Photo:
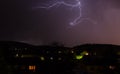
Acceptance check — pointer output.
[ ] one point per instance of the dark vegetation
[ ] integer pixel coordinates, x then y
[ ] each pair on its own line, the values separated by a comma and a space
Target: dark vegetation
16, 57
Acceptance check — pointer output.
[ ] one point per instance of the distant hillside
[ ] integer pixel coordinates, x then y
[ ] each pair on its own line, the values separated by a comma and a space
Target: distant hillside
13, 43
97, 46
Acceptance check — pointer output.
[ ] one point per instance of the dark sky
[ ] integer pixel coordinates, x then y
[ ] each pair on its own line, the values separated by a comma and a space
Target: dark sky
20, 22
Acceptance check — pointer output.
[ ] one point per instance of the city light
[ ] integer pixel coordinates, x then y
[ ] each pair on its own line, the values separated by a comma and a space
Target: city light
26, 56
79, 57
17, 55
111, 67
84, 53
42, 58
59, 52
32, 68
72, 51
51, 58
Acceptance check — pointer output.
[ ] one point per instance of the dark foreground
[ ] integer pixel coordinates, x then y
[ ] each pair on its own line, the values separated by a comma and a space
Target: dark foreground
21, 58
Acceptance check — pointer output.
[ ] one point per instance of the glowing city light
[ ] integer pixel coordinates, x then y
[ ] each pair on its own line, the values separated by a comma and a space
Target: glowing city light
51, 58
32, 68
72, 51
111, 67
42, 58
17, 55
84, 53
79, 57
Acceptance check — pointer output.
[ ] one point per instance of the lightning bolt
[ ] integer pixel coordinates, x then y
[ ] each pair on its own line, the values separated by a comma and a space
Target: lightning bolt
78, 19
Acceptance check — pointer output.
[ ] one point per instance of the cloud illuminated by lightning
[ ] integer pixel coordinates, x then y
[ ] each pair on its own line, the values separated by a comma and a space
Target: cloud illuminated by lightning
78, 19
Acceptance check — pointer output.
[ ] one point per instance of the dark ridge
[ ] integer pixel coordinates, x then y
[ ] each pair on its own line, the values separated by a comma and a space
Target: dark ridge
14, 43
98, 45
23, 44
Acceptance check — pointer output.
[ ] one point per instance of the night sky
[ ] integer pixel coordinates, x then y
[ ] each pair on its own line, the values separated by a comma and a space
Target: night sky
20, 21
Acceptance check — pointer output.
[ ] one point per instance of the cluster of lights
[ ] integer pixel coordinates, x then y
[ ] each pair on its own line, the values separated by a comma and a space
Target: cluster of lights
41, 57
23, 56
79, 57
51, 58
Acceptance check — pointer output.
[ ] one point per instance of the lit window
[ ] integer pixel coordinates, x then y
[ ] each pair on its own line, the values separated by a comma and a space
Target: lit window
32, 68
